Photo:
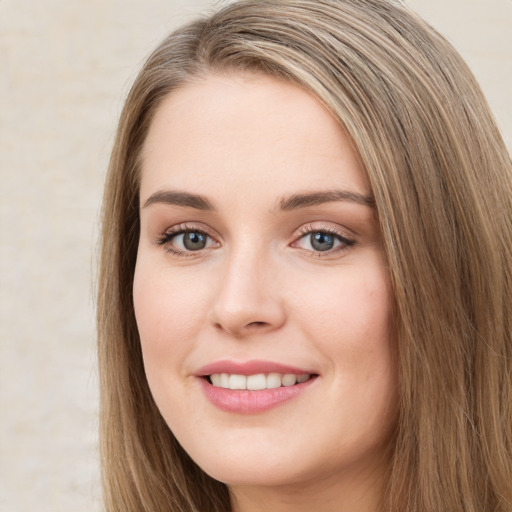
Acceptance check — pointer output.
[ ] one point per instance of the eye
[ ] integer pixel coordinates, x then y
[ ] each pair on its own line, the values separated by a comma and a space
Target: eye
179, 240
322, 241
191, 240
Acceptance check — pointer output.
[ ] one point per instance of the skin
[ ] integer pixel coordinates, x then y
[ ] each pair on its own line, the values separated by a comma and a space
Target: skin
260, 290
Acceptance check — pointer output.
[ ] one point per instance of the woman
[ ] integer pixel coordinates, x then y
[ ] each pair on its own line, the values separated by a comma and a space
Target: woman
306, 271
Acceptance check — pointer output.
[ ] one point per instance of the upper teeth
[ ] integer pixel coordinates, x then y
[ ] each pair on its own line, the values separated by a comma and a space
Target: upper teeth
258, 381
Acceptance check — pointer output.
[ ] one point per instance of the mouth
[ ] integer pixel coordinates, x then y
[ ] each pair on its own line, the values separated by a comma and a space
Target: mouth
257, 382
254, 386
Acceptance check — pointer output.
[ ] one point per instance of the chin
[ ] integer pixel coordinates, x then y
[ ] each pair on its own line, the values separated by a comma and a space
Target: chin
247, 473
303, 462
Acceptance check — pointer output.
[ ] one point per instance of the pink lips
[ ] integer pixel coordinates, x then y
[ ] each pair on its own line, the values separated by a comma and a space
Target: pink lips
248, 368
245, 401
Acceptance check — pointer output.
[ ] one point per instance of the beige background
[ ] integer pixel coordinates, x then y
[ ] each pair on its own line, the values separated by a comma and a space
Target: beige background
65, 66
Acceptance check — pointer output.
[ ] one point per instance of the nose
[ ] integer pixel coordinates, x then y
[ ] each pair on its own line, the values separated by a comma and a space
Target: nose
248, 299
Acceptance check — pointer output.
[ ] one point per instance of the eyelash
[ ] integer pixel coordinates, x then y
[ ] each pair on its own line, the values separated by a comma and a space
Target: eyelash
346, 242
165, 239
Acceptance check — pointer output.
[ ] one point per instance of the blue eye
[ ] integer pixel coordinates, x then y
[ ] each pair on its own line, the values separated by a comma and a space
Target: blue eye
193, 241
323, 241
186, 240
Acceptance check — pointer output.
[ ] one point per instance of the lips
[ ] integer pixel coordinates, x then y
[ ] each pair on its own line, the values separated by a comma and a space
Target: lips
253, 386
249, 368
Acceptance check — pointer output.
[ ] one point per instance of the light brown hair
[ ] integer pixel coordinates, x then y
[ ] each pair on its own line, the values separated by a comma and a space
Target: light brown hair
441, 178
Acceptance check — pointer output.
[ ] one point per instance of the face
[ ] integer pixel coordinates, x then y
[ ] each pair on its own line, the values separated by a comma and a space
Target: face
261, 293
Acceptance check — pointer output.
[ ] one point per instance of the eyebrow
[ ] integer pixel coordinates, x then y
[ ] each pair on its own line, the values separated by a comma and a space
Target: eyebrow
297, 201
179, 198
293, 202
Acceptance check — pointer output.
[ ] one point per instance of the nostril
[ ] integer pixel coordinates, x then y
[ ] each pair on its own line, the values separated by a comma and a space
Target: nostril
257, 324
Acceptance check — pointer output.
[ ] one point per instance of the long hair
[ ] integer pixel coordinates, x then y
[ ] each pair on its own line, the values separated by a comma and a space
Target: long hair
441, 178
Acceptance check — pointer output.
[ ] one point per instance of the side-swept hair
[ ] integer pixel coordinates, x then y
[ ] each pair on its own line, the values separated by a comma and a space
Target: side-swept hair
441, 177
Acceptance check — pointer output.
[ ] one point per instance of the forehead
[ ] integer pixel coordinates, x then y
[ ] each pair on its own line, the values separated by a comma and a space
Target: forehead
245, 130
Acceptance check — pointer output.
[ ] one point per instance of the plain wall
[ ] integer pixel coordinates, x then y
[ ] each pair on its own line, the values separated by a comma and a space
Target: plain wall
65, 68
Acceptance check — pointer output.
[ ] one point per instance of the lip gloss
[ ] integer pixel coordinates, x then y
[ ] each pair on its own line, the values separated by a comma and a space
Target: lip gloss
243, 401
249, 401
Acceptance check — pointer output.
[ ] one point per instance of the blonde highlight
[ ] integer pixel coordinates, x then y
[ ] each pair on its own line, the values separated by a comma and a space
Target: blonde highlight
441, 178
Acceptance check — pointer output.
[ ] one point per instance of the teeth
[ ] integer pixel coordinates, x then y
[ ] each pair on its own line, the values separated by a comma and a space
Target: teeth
258, 381
237, 382
273, 380
216, 380
224, 380
255, 382
289, 379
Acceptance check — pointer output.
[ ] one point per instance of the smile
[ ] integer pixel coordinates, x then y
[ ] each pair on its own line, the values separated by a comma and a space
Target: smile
256, 382
253, 387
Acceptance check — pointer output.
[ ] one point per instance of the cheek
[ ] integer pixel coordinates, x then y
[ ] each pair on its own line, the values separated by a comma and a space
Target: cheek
354, 307
350, 321
168, 311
